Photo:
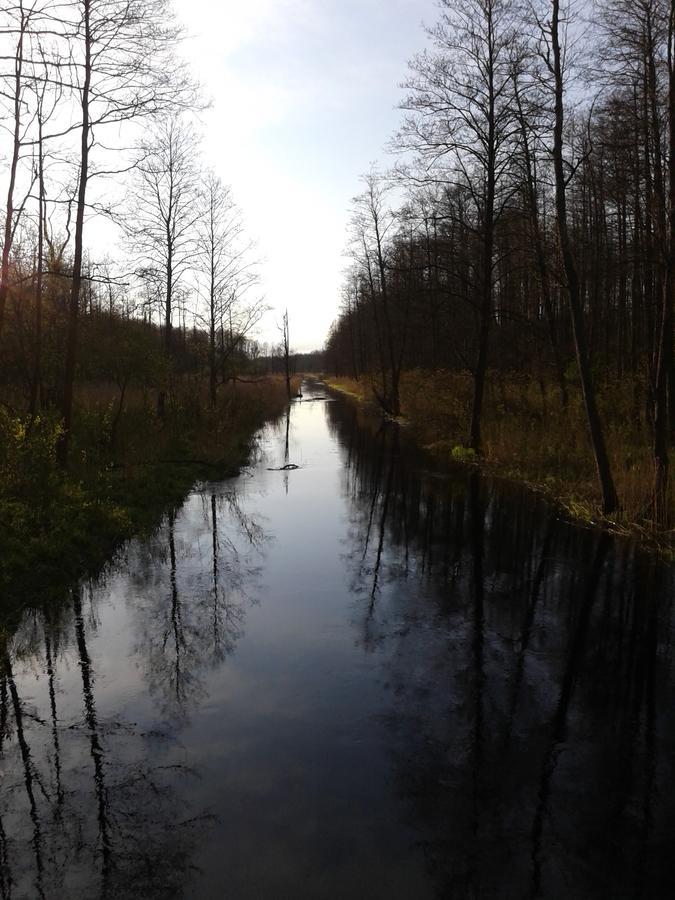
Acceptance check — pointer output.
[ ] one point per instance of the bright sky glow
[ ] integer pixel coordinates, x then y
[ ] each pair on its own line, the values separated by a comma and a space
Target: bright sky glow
304, 99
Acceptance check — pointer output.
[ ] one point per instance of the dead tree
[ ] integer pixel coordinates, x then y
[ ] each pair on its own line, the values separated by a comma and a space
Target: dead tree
286, 344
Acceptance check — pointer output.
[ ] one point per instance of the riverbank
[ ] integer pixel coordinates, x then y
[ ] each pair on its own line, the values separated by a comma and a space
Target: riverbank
527, 438
57, 526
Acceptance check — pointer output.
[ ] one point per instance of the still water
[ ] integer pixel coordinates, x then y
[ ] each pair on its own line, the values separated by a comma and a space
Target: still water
362, 678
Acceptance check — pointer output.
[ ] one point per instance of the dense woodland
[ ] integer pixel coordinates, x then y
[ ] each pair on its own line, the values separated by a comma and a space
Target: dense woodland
129, 290
522, 246
526, 234
100, 148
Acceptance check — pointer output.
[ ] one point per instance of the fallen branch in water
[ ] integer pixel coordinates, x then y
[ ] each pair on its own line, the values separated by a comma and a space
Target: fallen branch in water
285, 468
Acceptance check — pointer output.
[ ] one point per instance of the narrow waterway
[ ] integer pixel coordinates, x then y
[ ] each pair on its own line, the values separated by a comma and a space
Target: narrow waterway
360, 678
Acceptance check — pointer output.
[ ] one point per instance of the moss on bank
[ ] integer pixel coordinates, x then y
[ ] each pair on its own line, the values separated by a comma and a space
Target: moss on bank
529, 439
56, 527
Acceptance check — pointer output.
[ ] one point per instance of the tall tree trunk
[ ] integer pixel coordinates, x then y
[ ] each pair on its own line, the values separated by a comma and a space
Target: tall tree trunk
212, 332
480, 370
168, 313
168, 298
664, 333
76, 283
37, 337
378, 329
393, 400
13, 165
539, 251
287, 353
608, 491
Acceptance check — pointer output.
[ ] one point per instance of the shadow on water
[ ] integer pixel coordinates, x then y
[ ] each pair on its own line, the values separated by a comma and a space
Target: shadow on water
98, 805
530, 677
365, 677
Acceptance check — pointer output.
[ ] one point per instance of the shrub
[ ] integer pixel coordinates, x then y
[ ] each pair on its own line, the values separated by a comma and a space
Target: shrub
28, 468
463, 454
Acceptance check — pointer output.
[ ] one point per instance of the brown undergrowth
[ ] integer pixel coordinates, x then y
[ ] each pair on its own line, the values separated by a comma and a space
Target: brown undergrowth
528, 437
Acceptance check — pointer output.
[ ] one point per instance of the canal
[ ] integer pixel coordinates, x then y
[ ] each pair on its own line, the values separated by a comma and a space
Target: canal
363, 677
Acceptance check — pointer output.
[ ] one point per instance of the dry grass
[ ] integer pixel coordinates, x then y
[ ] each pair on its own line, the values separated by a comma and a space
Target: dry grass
527, 436
359, 390
211, 433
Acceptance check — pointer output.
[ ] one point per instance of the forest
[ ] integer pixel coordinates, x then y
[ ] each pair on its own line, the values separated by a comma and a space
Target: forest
390, 619
510, 279
129, 288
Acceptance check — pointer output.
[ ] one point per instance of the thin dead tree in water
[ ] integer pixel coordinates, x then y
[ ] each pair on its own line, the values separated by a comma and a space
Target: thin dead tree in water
286, 347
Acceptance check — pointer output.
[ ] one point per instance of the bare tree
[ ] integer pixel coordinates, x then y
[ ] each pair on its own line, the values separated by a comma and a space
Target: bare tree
228, 269
286, 346
461, 124
663, 347
48, 93
531, 125
552, 50
372, 224
164, 213
19, 22
124, 66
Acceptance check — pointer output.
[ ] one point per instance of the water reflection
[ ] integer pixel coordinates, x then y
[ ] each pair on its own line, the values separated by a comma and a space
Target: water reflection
72, 828
96, 794
529, 668
364, 677
189, 602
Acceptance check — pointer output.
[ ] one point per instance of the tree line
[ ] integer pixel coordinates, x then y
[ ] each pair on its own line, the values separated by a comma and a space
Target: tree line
100, 140
527, 228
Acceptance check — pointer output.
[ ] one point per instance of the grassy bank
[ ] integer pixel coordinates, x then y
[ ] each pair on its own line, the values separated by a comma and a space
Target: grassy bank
125, 471
529, 438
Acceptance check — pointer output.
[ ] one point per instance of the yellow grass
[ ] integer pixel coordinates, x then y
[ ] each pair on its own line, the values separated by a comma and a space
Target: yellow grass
526, 436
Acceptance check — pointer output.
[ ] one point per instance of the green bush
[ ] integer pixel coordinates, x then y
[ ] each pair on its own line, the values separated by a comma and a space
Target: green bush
463, 454
28, 468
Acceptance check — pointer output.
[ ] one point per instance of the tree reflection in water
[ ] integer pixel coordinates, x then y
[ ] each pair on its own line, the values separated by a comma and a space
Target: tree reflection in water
190, 613
507, 709
103, 828
530, 671
94, 804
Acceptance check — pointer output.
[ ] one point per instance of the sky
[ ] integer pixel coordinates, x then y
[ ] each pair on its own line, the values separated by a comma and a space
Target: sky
304, 96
